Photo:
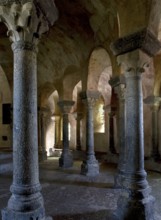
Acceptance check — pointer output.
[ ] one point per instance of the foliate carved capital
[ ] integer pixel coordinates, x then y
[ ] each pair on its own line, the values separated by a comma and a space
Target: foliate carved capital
24, 21
120, 90
65, 106
153, 101
78, 116
116, 81
144, 40
21, 45
111, 110
89, 98
43, 112
134, 63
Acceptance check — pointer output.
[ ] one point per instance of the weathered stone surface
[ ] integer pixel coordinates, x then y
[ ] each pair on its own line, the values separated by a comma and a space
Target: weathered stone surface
144, 40
66, 159
90, 166
136, 202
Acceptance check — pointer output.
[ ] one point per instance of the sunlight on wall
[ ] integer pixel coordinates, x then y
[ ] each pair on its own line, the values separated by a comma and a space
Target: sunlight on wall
99, 119
69, 129
50, 138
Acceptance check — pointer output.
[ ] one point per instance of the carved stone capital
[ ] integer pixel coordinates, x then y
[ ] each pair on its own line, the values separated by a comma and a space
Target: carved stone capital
43, 112
89, 97
120, 90
78, 116
153, 101
25, 20
143, 39
134, 63
21, 45
111, 110
65, 106
116, 81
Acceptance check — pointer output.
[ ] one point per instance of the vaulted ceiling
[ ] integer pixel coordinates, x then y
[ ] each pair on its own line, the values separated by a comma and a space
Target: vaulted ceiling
83, 26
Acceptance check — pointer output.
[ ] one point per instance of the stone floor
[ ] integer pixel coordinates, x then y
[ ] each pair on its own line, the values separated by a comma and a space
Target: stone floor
71, 196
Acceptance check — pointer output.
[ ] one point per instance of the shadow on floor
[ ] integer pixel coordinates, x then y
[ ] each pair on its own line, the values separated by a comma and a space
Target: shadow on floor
99, 215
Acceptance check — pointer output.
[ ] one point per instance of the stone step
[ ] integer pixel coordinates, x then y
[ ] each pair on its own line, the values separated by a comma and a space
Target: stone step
6, 164
5, 155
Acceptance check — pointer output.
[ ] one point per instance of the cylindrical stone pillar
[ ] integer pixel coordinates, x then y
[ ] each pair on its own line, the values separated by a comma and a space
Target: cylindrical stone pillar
120, 90
155, 132
43, 152
26, 201
154, 103
78, 135
57, 132
111, 133
66, 159
90, 166
136, 203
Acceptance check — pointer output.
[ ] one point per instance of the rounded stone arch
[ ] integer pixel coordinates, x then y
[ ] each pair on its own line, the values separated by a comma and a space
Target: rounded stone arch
76, 98
44, 92
71, 78
52, 102
99, 63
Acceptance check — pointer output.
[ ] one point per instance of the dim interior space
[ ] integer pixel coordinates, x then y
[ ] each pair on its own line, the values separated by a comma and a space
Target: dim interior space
80, 97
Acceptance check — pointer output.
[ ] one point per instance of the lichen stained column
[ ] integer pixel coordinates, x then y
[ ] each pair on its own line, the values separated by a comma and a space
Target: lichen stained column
90, 166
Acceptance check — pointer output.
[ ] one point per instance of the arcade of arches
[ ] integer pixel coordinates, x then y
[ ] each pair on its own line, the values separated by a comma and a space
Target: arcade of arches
81, 79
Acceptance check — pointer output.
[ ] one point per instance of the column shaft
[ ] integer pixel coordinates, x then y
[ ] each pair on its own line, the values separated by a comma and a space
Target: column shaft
155, 134
90, 166
43, 153
138, 204
66, 159
121, 137
26, 188
111, 133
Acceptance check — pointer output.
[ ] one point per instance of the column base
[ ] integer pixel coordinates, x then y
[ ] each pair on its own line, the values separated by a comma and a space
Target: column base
39, 214
119, 179
78, 148
132, 209
156, 157
90, 168
66, 160
42, 156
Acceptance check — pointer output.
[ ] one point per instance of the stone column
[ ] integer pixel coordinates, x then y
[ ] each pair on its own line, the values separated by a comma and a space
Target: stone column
136, 203
57, 131
90, 166
154, 102
66, 159
111, 132
120, 90
42, 149
79, 117
26, 201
